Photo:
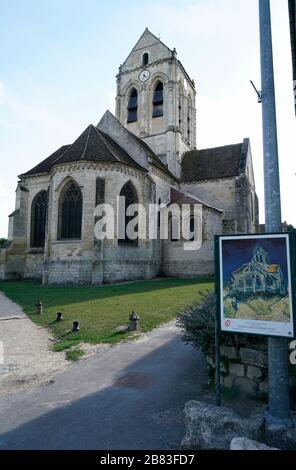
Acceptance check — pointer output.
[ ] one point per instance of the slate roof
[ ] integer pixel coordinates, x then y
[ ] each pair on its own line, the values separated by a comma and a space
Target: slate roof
46, 165
180, 197
213, 163
93, 145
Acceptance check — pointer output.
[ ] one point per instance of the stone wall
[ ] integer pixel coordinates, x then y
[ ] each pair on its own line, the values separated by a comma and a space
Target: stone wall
34, 261
235, 196
89, 260
187, 263
245, 368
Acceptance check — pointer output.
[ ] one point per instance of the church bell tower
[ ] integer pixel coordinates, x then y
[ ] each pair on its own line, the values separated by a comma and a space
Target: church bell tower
156, 100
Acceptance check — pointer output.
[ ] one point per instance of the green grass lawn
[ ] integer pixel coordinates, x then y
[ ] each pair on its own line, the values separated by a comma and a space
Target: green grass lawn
102, 309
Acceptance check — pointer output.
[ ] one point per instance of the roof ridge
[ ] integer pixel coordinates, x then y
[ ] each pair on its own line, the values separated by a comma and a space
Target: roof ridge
66, 150
157, 38
213, 148
196, 198
105, 138
106, 143
86, 142
71, 145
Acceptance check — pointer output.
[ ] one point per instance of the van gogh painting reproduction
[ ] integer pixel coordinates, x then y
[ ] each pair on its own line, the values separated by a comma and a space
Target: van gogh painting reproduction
255, 282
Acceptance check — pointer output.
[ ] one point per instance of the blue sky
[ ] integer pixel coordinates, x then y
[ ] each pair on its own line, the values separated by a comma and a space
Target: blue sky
59, 58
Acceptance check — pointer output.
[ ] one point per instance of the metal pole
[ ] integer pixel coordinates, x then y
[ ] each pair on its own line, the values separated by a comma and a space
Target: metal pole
217, 363
278, 380
217, 328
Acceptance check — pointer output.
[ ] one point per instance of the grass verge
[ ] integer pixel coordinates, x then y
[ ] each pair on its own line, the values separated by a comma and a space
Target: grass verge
102, 310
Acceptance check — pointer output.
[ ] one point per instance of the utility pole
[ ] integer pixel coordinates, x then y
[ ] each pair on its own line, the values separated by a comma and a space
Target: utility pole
278, 413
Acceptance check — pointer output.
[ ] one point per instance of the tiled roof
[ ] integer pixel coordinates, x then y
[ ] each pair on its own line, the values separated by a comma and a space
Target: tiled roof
45, 165
179, 197
212, 163
92, 145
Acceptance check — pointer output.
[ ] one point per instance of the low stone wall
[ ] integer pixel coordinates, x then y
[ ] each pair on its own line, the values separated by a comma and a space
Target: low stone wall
244, 368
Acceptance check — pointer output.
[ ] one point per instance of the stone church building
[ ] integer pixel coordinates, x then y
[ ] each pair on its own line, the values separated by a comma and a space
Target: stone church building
147, 153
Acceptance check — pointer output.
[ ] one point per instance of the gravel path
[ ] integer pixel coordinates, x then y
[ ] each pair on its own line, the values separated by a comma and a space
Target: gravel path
26, 360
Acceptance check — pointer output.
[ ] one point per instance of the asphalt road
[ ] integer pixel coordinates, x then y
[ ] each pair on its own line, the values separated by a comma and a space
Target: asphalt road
128, 396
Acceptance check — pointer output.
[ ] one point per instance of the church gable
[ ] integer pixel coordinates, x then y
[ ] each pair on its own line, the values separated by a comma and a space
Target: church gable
148, 43
111, 126
133, 145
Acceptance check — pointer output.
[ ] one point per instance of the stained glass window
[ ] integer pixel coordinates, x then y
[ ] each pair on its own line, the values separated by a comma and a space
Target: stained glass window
38, 219
71, 212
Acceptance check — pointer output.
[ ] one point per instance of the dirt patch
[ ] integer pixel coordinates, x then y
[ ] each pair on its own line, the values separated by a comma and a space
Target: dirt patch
27, 360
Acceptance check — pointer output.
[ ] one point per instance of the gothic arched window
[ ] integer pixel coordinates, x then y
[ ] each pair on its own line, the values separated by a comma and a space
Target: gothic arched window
129, 193
158, 100
70, 212
38, 219
145, 58
132, 106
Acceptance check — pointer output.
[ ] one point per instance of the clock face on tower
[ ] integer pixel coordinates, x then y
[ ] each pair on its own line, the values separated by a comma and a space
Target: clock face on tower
144, 75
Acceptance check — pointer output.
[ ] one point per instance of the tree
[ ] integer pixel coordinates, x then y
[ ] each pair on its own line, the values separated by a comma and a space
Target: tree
2, 242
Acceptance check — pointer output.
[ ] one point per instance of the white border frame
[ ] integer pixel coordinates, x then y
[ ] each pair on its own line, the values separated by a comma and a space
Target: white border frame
257, 327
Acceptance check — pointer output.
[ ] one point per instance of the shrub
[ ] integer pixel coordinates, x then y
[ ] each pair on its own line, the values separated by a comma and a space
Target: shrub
197, 322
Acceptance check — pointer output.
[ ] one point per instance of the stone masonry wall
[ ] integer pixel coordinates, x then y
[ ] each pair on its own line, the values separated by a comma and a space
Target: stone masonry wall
186, 263
244, 368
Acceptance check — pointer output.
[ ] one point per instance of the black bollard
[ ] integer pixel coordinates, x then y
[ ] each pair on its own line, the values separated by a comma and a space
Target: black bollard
133, 321
76, 326
39, 307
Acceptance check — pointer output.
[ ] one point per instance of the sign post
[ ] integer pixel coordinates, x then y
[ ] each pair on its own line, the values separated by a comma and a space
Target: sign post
255, 294
255, 287
279, 403
217, 326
